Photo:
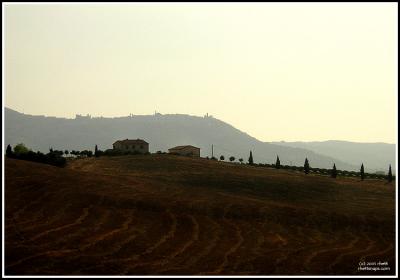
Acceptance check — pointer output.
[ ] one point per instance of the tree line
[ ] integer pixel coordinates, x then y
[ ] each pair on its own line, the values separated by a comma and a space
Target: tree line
58, 157
20, 151
55, 157
334, 172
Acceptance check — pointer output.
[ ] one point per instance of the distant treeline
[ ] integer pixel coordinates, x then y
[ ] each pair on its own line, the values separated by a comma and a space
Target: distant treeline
55, 157
20, 151
59, 157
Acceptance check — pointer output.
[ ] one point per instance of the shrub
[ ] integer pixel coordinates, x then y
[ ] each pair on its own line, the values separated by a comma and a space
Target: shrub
86, 153
55, 159
20, 149
112, 152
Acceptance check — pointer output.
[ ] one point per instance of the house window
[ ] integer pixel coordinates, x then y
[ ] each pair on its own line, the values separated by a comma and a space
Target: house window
141, 146
133, 146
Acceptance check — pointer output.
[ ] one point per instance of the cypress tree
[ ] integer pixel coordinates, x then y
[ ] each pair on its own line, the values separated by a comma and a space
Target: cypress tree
9, 151
251, 158
306, 166
390, 177
96, 151
278, 163
334, 172
362, 172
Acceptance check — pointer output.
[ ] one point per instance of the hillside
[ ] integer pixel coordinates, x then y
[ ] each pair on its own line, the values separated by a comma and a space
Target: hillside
376, 156
170, 215
161, 131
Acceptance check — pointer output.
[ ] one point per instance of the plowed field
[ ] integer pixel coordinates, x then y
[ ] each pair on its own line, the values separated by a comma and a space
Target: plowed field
170, 215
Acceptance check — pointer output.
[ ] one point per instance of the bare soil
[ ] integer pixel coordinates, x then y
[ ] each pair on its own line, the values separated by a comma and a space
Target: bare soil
171, 215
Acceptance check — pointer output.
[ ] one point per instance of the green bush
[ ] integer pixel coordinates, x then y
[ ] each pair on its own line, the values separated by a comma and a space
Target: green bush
20, 149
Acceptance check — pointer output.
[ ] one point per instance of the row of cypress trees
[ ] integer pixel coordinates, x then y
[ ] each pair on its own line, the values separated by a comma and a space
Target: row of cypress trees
334, 172
362, 173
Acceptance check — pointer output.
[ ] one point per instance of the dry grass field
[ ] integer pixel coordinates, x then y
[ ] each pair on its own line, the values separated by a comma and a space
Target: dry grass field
171, 215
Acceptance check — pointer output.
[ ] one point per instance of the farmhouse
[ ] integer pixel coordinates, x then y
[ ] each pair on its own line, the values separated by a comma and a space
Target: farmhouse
138, 145
187, 150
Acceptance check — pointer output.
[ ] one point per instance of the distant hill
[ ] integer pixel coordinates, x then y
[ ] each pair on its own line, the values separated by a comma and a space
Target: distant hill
375, 156
161, 131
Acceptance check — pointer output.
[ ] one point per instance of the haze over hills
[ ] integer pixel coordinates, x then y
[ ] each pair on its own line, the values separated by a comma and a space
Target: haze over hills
162, 132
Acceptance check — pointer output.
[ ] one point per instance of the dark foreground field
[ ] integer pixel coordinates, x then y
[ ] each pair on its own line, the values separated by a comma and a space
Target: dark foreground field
169, 215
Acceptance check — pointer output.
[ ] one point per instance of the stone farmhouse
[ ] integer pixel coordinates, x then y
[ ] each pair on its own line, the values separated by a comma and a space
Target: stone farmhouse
186, 150
127, 145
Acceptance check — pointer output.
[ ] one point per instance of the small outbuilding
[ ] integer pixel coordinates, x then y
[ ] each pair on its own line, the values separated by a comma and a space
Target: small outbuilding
186, 150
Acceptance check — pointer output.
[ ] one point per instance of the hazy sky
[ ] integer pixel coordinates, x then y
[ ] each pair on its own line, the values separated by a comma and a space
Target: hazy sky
278, 71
